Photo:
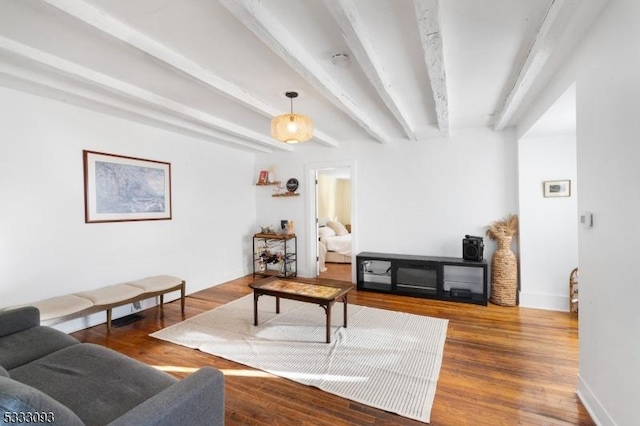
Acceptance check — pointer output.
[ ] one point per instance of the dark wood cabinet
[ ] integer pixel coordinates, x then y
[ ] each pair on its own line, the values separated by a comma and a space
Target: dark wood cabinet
444, 278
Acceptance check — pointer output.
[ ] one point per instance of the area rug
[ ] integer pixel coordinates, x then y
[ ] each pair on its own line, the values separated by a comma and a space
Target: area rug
384, 359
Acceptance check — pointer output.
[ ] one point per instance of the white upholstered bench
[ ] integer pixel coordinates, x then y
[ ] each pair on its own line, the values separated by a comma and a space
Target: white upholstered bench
64, 308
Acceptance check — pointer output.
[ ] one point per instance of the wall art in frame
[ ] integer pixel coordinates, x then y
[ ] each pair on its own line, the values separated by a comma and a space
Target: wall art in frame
557, 188
120, 189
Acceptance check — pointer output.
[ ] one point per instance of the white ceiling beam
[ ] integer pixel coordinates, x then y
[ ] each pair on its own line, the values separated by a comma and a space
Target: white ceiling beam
51, 86
359, 42
125, 90
275, 35
118, 30
553, 25
427, 14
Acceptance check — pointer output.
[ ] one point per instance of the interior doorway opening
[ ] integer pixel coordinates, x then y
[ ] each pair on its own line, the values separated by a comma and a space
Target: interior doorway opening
332, 215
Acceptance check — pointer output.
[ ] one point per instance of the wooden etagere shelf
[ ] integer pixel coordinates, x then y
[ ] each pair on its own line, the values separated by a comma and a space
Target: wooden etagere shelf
286, 194
268, 183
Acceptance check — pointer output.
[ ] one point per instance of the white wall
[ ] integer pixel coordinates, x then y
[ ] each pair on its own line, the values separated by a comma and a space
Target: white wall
606, 69
412, 198
334, 198
548, 226
46, 249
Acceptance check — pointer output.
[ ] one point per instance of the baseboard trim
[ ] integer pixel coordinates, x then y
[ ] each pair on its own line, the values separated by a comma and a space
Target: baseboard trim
595, 409
544, 301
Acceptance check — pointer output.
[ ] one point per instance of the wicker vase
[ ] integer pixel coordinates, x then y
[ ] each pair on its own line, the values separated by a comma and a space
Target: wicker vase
504, 274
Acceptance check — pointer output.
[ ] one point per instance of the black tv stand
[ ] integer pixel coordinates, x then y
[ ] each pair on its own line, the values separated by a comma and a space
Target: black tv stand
443, 278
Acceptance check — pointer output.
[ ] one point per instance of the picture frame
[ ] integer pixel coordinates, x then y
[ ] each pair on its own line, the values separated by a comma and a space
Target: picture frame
264, 176
118, 188
557, 188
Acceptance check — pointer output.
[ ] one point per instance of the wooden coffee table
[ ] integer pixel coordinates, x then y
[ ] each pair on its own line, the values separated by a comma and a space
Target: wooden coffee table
323, 294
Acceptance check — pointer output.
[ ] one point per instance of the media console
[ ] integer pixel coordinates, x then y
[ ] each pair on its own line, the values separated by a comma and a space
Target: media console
444, 278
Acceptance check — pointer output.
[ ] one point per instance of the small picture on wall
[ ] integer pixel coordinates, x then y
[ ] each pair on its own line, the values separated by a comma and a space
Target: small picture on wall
557, 188
262, 179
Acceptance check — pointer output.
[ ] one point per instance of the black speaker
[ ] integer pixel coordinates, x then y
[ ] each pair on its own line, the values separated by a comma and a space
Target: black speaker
472, 248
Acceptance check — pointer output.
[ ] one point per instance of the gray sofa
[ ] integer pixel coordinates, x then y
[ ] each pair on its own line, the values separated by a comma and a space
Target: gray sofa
48, 376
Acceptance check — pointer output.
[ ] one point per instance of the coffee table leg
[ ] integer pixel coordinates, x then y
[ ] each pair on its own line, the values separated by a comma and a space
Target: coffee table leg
344, 301
328, 309
255, 308
277, 304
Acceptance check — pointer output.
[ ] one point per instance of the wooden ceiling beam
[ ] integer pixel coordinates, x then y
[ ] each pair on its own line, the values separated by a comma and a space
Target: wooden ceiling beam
127, 92
118, 30
427, 14
357, 37
553, 26
268, 29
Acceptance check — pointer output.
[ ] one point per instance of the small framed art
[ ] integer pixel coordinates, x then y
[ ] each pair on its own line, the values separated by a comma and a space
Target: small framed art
557, 188
122, 189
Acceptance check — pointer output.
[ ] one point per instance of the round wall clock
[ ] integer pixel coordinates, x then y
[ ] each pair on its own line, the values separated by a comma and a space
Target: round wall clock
292, 185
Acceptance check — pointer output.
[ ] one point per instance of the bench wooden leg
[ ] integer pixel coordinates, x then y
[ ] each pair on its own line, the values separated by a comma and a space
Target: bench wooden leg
108, 319
182, 296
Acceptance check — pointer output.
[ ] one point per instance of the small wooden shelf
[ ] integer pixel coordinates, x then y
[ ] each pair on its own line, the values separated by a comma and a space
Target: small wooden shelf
275, 236
268, 183
286, 194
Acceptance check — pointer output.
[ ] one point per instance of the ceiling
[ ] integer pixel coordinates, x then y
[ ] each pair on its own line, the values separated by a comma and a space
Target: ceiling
218, 69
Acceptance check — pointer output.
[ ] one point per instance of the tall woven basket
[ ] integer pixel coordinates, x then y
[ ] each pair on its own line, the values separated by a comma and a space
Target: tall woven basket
504, 273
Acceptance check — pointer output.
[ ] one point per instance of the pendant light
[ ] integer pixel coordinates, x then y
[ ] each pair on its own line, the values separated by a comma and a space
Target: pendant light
291, 128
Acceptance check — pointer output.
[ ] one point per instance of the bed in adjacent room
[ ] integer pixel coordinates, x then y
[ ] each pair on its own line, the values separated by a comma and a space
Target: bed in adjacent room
334, 244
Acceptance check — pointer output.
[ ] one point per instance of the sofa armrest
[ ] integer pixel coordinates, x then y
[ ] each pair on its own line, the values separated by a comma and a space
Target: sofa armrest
18, 319
195, 400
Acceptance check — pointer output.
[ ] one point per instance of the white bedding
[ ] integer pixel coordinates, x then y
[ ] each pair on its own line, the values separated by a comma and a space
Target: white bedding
341, 244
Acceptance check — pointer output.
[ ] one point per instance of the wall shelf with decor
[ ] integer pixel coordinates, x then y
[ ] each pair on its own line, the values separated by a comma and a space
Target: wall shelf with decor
286, 194
444, 278
268, 183
275, 254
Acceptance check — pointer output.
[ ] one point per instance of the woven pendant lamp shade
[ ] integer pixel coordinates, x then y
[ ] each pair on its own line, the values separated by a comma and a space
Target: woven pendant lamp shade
291, 128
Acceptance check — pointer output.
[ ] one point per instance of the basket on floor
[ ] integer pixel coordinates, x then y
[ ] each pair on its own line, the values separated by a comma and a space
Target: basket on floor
504, 274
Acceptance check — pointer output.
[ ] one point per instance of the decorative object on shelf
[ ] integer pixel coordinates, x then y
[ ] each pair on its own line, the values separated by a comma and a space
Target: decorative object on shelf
504, 265
573, 292
123, 189
263, 178
291, 128
292, 185
286, 191
557, 188
267, 230
289, 230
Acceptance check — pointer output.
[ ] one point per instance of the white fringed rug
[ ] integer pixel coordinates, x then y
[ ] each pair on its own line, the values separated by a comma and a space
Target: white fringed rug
385, 359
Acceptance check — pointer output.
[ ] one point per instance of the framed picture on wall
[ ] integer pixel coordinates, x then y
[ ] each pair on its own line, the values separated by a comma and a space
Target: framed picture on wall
557, 188
262, 179
122, 189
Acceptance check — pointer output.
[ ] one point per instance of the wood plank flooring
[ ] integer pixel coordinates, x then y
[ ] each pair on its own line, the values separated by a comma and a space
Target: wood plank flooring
501, 366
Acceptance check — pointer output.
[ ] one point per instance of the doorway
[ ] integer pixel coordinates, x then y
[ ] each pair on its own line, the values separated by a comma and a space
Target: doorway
332, 215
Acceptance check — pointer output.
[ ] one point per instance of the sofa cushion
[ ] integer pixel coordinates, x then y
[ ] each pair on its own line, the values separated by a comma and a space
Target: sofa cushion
16, 397
96, 383
3, 372
20, 348
15, 320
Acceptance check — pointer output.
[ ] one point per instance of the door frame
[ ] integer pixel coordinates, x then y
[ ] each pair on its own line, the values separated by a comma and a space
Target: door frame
311, 208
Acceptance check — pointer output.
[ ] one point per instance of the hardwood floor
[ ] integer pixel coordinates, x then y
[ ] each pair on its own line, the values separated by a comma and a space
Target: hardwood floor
337, 271
501, 366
